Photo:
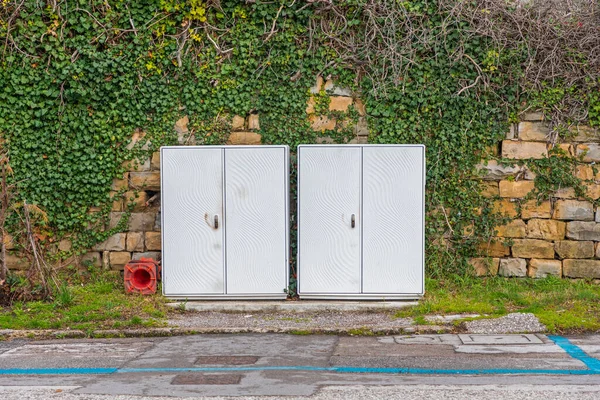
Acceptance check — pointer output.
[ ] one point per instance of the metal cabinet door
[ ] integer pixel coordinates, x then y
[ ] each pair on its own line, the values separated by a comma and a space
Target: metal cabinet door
328, 219
393, 223
192, 207
257, 220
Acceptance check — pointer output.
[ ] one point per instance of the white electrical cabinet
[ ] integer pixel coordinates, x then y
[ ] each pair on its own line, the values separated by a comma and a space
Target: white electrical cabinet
361, 221
225, 221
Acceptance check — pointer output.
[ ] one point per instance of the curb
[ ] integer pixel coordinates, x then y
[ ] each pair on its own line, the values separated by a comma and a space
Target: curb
300, 306
9, 334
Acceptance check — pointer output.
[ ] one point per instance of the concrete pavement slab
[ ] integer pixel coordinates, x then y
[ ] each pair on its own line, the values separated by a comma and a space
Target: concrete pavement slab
300, 306
271, 349
499, 339
73, 354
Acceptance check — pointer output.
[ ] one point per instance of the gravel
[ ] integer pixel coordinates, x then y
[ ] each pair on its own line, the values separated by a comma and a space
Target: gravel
511, 323
299, 321
356, 392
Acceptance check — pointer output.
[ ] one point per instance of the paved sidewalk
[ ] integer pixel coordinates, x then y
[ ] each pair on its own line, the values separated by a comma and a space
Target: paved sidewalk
290, 365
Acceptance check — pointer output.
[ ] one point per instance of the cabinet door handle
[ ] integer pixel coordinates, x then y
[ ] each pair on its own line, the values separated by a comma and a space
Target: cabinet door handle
216, 221
353, 220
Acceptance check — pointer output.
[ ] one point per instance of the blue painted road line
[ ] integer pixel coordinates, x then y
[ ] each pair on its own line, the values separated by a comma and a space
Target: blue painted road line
58, 371
351, 370
575, 352
592, 364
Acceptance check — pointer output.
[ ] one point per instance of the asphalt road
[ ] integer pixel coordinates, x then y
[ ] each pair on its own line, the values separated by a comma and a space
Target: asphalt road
252, 366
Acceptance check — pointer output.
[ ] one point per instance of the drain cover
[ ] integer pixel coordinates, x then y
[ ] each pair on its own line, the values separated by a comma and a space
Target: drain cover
226, 360
206, 379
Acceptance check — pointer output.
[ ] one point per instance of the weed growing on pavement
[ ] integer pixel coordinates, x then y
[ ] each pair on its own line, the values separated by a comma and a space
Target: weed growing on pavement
562, 305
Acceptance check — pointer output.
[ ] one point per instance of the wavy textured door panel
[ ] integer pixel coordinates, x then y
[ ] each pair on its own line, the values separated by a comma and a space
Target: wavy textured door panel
329, 194
393, 219
256, 219
192, 196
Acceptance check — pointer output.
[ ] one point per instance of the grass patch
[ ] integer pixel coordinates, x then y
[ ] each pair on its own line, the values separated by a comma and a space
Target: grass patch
100, 303
563, 305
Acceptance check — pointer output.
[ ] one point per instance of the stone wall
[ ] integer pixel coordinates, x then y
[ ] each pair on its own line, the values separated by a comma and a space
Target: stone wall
558, 236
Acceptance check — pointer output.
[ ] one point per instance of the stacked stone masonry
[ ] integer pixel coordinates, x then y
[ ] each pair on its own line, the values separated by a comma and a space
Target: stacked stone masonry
559, 236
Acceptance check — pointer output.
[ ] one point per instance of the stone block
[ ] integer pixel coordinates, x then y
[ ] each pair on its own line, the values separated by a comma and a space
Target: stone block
91, 258
597, 249
573, 210
589, 151
9, 241
115, 242
574, 249
581, 268
237, 123
65, 245
154, 255
318, 85
512, 132
533, 131
581, 230
118, 259
181, 126
532, 248
135, 241
361, 128
153, 241
117, 204
485, 266
489, 189
141, 221
145, 180
494, 171
321, 123
114, 219
531, 209
542, 268
121, 183
338, 90
253, 123
597, 219
547, 229
491, 151
592, 190
584, 133
516, 267
310, 105
565, 193
17, 262
106, 259
523, 150
514, 229
505, 207
585, 172
494, 249
136, 199
360, 107
339, 103
244, 138
137, 138
514, 189
155, 162
532, 116
569, 149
